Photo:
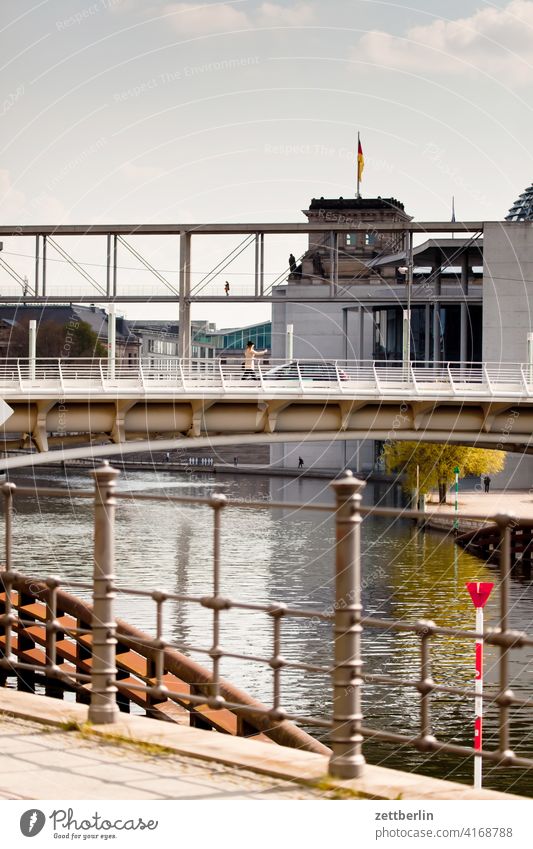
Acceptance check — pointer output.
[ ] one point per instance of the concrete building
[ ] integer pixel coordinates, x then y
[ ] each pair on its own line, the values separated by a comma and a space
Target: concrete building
159, 340
470, 299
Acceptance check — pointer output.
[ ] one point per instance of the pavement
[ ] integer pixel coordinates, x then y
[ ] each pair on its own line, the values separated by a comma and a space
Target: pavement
39, 762
486, 505
48, 751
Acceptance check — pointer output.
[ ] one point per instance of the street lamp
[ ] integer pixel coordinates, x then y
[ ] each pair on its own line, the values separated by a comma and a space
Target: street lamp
408, 271
456, 519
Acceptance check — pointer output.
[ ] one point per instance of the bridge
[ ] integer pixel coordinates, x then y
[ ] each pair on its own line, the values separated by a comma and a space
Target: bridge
64, 402
121, 263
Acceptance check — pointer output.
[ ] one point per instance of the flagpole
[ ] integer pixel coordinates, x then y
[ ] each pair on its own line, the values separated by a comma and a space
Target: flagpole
358, 195
453, 213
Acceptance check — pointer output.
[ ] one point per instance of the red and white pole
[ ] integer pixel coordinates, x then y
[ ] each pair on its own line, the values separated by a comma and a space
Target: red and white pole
479, 593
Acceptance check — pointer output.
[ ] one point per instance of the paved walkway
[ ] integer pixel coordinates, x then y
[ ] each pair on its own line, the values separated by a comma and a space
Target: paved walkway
40, 762
486, 505
141, 758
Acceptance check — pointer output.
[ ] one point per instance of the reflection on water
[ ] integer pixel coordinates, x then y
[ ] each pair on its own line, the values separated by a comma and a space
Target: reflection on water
287, 555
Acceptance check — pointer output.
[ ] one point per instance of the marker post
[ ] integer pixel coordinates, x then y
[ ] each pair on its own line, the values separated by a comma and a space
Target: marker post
479, 593
456, 472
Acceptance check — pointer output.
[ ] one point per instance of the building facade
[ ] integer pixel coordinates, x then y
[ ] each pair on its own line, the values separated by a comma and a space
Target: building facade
468, 302
67, 317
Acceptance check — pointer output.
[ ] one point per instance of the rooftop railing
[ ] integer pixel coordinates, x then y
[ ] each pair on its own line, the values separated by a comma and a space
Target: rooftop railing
345, 728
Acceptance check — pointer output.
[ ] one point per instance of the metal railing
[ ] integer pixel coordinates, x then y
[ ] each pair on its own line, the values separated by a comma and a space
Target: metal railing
220, 375
346, 726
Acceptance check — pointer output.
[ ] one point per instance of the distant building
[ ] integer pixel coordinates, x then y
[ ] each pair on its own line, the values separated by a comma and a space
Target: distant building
371, 268
230, 342
127, 343
159, 340
522, 208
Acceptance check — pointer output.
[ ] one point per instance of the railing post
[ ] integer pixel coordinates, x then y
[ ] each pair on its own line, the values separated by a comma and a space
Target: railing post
504, 698
347, 760
8, 490
103, 707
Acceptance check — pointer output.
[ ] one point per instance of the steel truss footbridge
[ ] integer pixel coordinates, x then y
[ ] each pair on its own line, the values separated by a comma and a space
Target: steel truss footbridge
106, 259
64, 402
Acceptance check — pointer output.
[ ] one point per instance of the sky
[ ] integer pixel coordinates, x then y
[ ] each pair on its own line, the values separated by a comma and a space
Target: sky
131, 111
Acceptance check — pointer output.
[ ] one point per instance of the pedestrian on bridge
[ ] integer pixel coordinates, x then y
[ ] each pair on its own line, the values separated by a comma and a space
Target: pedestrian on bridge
486, 481
226, 288
249, 361
300, 463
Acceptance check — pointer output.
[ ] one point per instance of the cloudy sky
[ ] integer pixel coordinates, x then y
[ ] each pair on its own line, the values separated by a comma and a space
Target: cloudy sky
134, 111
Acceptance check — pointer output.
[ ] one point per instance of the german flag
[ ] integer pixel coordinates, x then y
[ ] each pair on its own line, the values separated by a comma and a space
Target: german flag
360, 161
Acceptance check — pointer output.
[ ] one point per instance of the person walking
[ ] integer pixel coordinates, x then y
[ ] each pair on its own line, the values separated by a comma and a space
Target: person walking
226, 288
249, 361
300, 463
486, 481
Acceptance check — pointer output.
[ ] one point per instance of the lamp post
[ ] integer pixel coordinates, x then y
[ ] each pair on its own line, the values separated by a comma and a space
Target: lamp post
32, 347
289, 344
111, 340
408, 270
530, 357
456, 519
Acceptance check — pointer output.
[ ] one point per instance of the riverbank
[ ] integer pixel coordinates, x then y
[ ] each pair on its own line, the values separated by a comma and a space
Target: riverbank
255, 469
483, 506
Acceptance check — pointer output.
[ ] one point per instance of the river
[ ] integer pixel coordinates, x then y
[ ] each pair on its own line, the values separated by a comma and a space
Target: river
287, 555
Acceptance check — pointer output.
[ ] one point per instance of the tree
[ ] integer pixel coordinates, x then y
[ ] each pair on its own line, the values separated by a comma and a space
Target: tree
436, 464
77, 339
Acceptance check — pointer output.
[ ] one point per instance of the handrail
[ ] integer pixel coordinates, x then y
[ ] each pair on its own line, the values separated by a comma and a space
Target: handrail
174, 662
304, 374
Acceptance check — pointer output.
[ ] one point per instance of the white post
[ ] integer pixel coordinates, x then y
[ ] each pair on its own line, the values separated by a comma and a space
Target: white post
290, 342
407, 312
530, 357
32, 344
111, 341
406, 340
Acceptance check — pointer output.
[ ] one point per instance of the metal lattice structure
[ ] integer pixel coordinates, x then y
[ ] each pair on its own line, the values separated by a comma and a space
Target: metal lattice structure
522, 208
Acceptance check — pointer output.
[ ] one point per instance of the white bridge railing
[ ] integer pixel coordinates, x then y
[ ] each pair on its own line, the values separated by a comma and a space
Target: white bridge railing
305, 376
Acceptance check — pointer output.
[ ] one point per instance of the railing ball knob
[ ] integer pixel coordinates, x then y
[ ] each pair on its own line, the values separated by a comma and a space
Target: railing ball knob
277, 714
427, 743
160, 692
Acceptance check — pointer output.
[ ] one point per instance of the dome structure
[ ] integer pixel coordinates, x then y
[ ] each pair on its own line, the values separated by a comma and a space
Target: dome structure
522, 209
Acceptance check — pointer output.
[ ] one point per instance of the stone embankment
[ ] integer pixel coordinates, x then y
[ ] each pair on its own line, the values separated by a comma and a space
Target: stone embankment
50, 752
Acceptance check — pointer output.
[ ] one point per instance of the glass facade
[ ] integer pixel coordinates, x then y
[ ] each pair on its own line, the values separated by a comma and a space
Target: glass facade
388, 333
522, 209
236, 340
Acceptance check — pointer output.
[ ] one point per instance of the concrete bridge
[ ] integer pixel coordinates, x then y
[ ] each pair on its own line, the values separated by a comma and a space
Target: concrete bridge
59, 402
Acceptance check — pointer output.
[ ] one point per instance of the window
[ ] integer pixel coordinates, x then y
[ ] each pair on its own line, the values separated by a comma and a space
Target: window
351, 240
370, 239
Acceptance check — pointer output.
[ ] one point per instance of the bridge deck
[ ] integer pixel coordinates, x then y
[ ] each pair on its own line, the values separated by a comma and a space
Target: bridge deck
57, 402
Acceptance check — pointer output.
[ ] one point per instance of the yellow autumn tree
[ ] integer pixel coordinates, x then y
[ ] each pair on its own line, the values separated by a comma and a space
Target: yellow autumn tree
436, 464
